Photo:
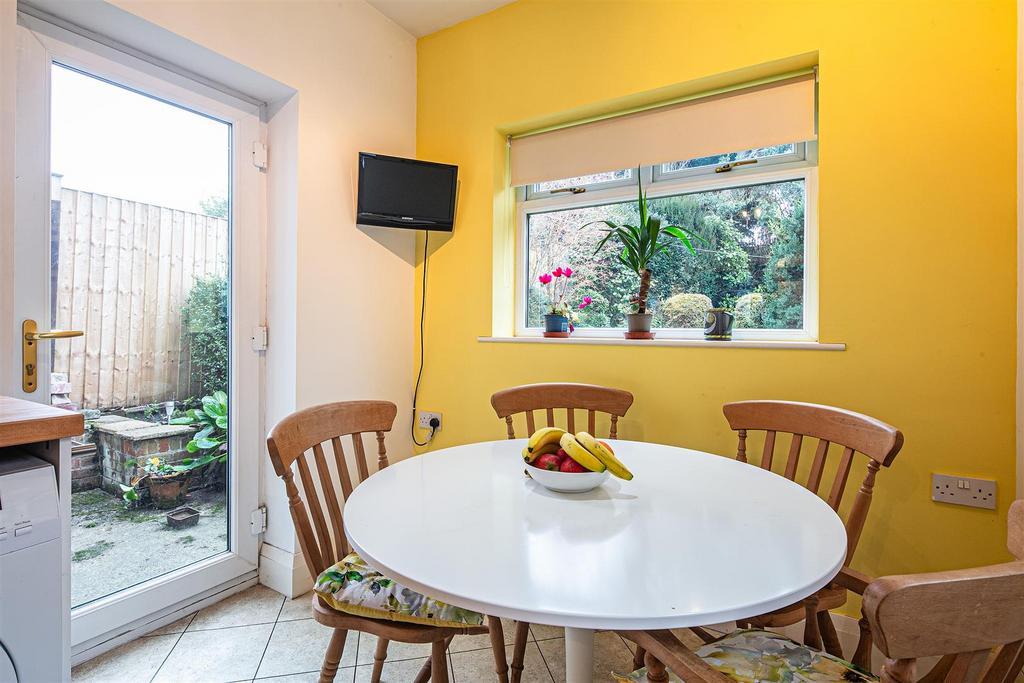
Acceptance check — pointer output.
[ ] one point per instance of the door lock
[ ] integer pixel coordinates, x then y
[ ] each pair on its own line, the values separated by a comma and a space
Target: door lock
30, 338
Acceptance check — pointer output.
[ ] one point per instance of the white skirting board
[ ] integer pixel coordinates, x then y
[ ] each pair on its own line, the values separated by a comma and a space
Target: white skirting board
284, 571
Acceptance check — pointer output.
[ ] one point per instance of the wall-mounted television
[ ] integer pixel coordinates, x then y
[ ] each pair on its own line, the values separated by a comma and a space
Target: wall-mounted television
406, 193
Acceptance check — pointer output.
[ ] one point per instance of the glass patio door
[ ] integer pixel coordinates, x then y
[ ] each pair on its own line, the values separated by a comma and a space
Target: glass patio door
139, 235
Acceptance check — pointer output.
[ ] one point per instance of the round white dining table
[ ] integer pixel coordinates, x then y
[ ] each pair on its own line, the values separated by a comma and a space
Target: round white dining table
693, 539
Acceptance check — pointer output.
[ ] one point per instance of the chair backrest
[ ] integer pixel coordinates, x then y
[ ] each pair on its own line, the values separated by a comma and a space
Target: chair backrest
570, 397
854, 432
301, 437
972, 618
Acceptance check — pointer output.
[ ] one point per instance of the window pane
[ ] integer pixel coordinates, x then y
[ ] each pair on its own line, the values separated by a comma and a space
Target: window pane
752, 259
759, 153
623, 174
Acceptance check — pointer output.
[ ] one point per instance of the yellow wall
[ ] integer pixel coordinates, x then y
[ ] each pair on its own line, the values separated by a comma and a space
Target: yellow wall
917, 232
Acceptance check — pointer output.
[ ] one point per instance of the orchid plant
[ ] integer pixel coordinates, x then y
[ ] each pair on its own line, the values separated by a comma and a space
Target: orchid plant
556, 287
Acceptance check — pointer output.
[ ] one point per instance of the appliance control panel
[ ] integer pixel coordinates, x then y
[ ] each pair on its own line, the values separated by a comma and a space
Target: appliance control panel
29, 513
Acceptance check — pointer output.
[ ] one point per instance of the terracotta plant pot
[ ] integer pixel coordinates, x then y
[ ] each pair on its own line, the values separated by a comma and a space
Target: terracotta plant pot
638, 326
166, 492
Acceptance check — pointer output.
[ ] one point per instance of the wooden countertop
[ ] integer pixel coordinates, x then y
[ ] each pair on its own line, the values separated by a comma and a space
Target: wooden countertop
28, 422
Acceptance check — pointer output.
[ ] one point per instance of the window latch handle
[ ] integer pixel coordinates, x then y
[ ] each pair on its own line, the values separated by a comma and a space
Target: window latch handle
724, 168
573, 190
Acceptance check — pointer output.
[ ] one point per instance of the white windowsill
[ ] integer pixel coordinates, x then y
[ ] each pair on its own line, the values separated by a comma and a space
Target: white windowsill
786, 345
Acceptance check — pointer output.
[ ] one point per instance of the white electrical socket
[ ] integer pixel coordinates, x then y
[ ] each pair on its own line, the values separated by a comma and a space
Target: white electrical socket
969, 491
424, 418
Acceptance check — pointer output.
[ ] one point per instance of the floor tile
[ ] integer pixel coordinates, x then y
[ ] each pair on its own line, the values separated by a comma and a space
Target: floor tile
135, 661
478, 665
228, 654
483, 641
299, 608
610, 654
344, 676
256, 605
300, 646
542, 632
401, 671
396, 651
178, 626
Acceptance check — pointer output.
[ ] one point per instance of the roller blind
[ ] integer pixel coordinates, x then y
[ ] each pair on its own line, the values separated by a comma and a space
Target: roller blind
773, 114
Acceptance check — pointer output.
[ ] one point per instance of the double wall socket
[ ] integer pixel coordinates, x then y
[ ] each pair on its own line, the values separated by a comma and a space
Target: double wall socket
423, 419
969, 491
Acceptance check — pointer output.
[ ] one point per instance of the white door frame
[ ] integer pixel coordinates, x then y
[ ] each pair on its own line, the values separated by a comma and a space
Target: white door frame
38, 48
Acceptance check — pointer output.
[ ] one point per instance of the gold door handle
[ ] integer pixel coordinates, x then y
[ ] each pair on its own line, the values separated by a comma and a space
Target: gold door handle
53, 334
29, 353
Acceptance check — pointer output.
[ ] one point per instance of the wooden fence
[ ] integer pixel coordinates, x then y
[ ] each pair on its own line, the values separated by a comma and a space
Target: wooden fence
123, 272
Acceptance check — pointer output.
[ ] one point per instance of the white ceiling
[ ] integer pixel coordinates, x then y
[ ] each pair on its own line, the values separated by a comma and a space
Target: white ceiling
422, 17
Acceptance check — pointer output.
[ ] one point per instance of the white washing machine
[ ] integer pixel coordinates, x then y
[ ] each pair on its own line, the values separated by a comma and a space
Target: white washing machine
30, 571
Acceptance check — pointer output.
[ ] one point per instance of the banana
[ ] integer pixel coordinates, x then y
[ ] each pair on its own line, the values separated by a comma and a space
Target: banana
544, 436
580, 454
543, 450
605, 455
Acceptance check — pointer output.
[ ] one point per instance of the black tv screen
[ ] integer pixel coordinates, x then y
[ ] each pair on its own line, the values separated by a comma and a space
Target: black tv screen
406, 193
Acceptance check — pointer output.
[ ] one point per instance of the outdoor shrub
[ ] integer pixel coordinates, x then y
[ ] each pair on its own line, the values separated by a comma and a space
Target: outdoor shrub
205, 328
750, 311
684, 310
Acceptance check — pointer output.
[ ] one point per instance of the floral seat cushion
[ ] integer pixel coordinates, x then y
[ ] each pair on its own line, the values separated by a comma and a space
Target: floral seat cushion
755, 656
353, 587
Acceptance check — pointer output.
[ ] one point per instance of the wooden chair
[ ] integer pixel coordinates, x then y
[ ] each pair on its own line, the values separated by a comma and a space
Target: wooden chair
972, 619
300, 440
853, 433
528, 399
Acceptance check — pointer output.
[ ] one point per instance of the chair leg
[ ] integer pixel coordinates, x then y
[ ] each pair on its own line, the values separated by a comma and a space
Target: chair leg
519, 650
497, 634
656, 672
333, 656
439, 661
812, 634
378, 659
424, 673
862, 657
638, 657
706, 636
829, 637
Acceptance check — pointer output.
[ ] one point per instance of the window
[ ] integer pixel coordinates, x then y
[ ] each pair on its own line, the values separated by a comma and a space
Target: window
757, 256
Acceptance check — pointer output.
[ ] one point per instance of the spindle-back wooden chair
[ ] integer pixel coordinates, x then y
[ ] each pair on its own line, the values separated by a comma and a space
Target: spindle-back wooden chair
300, 442
972, 619
853, 433
549, 397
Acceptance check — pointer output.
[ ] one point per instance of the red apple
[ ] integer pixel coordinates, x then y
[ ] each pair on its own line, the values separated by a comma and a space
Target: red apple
570, 465
549, 461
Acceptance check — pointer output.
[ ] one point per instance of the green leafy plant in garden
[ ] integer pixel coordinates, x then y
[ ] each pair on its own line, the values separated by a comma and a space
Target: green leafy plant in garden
205, 327
642, 242
212, 420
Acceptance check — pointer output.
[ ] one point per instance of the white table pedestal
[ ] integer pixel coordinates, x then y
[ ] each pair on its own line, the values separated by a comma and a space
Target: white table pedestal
579, 655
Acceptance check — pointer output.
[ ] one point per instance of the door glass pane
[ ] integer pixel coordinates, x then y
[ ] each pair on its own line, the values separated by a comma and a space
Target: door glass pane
140, 238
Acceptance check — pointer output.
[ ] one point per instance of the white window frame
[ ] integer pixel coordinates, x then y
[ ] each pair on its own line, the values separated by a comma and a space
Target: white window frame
685, 183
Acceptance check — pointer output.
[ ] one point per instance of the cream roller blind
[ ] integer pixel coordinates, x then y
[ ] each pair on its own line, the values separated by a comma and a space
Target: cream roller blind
761, 116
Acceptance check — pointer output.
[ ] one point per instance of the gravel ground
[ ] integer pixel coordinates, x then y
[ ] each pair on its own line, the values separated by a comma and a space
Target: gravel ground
113, 547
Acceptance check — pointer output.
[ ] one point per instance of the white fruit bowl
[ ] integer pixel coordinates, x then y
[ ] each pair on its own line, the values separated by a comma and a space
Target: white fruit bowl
567, 482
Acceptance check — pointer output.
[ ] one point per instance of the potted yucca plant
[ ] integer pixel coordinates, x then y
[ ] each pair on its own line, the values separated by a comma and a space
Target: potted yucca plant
640, 243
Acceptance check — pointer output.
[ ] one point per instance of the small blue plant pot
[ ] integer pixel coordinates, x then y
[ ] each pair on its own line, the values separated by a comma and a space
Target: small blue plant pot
556, 324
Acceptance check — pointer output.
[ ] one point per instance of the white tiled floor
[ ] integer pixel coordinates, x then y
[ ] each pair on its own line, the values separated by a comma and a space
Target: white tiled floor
258, 635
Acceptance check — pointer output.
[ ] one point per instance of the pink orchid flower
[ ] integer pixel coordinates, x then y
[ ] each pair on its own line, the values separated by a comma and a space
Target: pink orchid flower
567, 271
545, 278
557, 272
586, 302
